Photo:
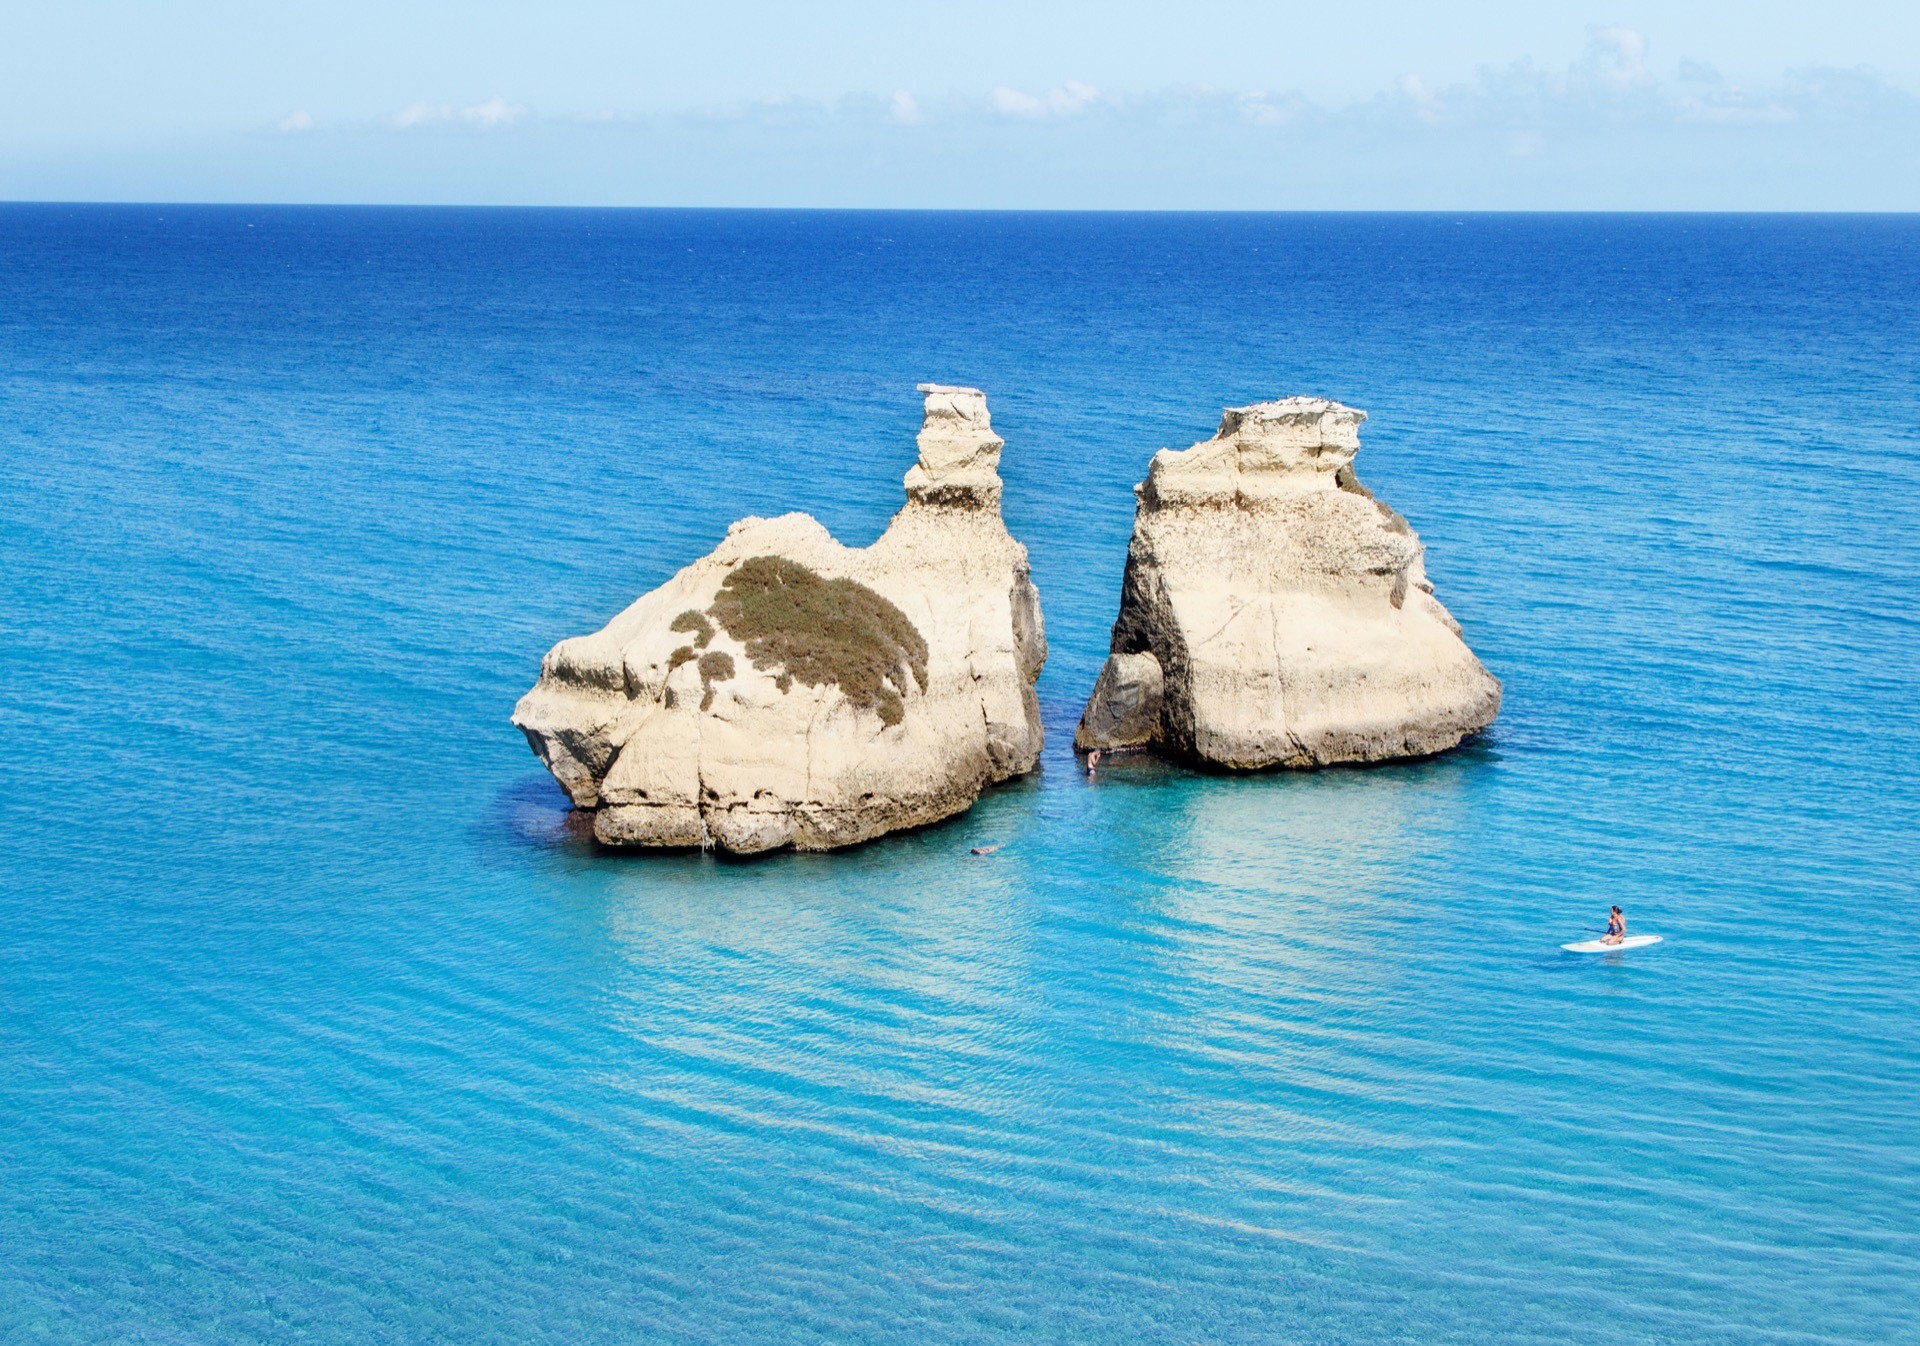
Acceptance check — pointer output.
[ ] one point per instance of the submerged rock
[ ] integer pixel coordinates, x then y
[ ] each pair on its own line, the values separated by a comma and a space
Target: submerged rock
788, 691
1273, 613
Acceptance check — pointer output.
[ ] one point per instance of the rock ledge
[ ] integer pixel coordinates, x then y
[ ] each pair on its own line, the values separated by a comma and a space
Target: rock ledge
1274, 613
785, 690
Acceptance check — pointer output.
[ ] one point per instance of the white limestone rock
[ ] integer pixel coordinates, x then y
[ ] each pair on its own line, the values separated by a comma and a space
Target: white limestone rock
785, 690
1273, 613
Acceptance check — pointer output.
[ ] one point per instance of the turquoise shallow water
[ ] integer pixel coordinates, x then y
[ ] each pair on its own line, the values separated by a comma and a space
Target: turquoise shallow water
319, 1022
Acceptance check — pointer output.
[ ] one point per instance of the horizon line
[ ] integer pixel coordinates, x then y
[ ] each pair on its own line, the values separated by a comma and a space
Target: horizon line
8, 202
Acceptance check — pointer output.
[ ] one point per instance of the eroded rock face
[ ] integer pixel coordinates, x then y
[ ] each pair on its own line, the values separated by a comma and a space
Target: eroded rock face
1273, 613
788, 691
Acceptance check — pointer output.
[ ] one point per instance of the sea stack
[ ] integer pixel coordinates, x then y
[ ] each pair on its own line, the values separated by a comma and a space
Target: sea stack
785, 690
1274, 613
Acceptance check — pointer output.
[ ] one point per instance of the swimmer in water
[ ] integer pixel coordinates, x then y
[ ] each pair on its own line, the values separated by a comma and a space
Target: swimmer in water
1093, 761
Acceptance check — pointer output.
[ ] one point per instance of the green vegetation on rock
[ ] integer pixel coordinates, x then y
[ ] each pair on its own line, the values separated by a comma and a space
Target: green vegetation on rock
1344, 478
1396, 521
820, 631
695, 621
715, 666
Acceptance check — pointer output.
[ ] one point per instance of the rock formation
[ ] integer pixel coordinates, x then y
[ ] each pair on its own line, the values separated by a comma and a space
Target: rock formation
1273, 613
788, 691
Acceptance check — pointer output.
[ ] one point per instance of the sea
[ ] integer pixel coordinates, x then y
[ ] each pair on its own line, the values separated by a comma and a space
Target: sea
323, 1020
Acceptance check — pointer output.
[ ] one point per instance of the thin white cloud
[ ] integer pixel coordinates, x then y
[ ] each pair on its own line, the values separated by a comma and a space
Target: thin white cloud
1618, 57
1420, 99
1263, 109
1523, 111
1071, 97
1068, 100
295, 122
490, 115
1017, 103
1733, 114
1615, 84
904, 110
421, 114
496, 111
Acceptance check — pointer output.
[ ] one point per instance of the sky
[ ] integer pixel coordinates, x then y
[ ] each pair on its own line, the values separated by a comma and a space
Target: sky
1208, 104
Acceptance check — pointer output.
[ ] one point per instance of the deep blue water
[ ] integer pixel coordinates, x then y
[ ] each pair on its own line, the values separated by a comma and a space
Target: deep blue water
319, 1023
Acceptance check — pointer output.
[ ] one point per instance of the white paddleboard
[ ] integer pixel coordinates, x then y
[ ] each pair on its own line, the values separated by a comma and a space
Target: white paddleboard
1595, 946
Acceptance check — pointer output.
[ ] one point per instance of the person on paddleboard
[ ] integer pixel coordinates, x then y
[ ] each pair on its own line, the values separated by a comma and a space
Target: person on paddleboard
1616, 927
